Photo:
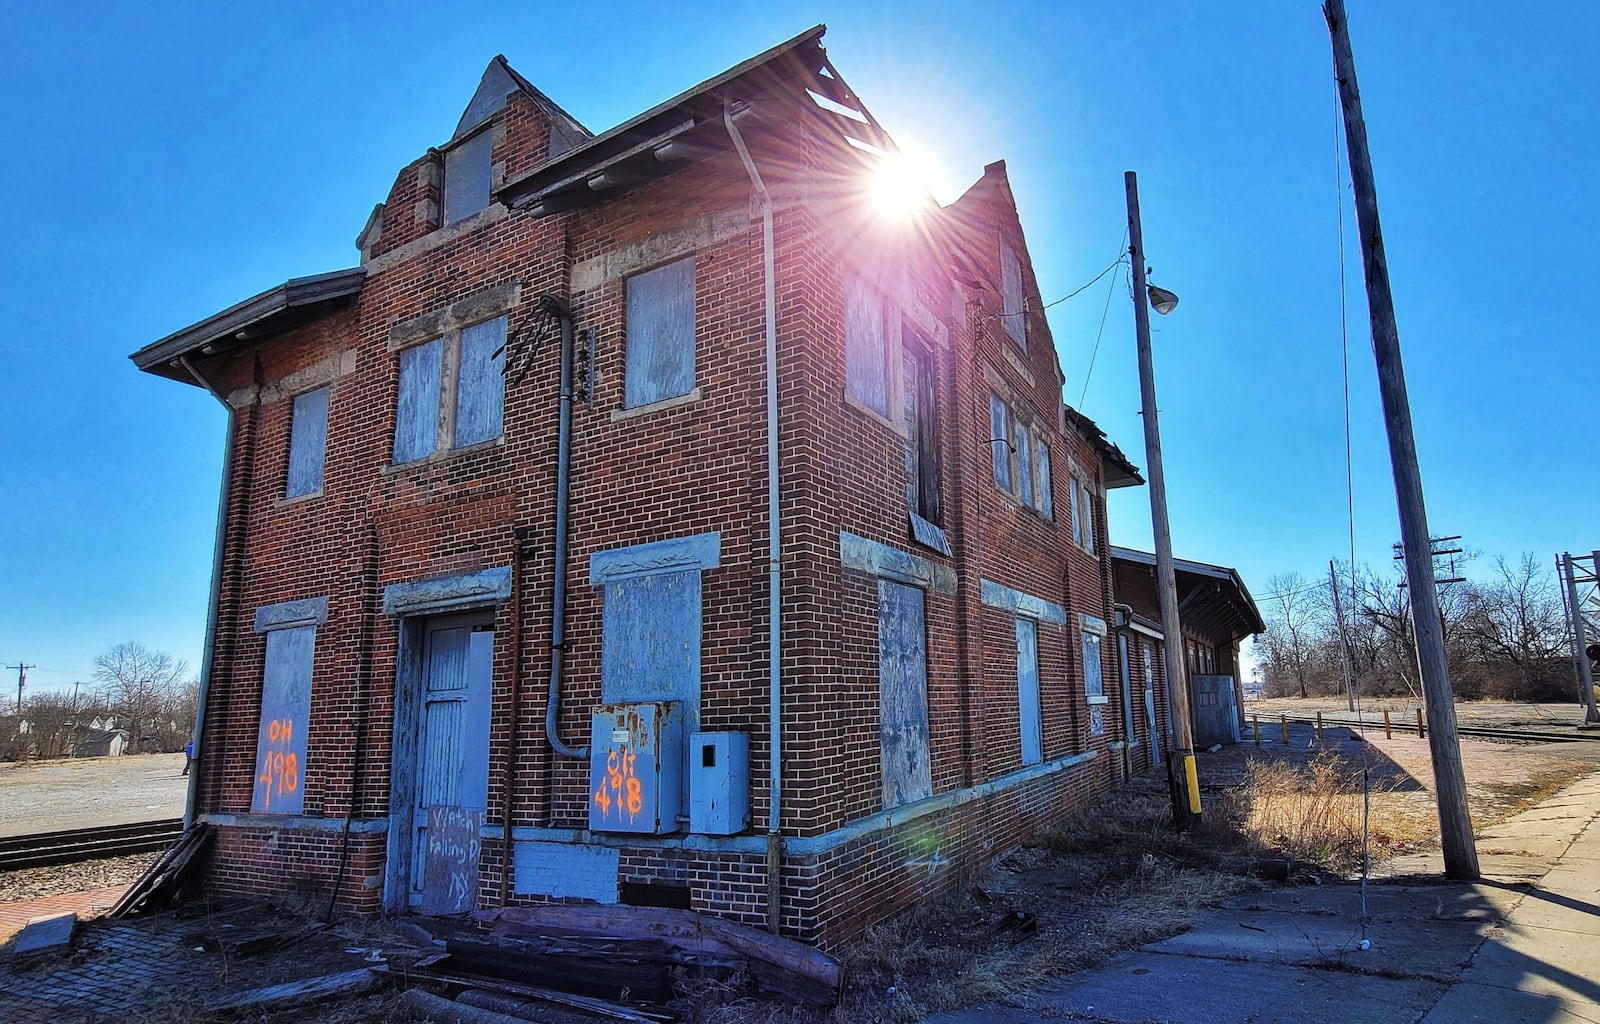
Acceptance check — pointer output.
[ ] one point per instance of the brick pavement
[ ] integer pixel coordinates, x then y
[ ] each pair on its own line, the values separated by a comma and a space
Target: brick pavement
88, 904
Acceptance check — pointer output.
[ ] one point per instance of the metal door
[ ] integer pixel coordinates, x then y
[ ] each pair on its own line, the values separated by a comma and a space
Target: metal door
452, 786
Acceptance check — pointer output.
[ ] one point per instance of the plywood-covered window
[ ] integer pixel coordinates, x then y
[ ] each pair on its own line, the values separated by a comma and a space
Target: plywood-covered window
1028, 691
466, 177
308, 440
1014, 311
660, 334
1082, 515
451, 391
1046, 502
866, 347
285, 721
1094, 634
903, 694
1000, 442
1021, 439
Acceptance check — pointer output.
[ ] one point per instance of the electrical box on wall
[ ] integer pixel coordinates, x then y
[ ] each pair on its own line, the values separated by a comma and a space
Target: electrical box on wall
636, 768
719, 782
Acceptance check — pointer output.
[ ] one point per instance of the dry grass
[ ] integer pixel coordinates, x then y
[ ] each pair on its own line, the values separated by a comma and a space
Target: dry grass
1313, 812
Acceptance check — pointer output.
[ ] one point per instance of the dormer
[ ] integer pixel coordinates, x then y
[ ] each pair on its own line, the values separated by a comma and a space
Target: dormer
508, 128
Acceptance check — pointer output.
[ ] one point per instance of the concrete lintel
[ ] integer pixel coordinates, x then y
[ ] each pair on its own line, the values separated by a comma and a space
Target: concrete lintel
296, 823
998, 595
311, 611
869, 556
447, 593
698, 551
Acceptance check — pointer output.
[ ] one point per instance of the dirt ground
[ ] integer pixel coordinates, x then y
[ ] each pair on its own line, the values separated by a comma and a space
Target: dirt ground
82, 792
1112, 877
1488, 714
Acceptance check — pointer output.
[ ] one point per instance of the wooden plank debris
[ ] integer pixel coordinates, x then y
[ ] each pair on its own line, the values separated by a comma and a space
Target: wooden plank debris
325, 987
599, 1007
781, 965
438, 1010
164, 879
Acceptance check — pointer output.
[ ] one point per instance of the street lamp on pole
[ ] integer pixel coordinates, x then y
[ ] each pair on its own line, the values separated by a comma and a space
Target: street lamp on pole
1186, 786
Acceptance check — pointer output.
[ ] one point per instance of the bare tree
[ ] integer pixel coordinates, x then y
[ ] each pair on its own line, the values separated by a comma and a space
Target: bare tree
1294, 615
140, 684
1514, 630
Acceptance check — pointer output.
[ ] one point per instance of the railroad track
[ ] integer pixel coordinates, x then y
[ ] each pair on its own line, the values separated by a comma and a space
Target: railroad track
1410, 726
47, 848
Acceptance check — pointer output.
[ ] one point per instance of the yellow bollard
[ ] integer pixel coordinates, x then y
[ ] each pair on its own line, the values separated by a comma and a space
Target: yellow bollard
1388, 730
1255, 723
1420, 733
1285, 724
1319, 727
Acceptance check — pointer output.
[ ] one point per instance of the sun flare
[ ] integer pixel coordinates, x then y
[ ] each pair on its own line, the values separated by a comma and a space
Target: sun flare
898, 188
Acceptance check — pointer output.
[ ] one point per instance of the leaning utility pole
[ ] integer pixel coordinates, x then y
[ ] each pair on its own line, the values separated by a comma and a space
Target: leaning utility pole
1455, 823
1186, 789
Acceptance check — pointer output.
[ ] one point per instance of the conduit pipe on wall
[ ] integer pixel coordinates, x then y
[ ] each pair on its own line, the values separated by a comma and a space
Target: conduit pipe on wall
553, 306
215, 599
774, 664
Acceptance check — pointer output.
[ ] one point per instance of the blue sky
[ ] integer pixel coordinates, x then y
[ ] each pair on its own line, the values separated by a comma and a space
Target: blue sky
168, 162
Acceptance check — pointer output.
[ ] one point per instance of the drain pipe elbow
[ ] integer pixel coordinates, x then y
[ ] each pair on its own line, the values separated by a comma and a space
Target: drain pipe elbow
554, 306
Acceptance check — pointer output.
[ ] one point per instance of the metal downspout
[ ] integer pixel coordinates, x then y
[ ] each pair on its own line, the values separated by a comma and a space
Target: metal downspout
558, 616
774, 663
212, 609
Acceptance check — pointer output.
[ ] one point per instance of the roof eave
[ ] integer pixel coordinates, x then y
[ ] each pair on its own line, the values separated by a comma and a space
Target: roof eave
260, 316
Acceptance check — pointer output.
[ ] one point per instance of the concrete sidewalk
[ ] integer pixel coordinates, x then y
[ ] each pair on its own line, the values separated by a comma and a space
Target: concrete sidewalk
1522, 946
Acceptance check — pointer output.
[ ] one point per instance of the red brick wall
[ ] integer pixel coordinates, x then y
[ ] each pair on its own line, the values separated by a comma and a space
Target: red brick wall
668, 473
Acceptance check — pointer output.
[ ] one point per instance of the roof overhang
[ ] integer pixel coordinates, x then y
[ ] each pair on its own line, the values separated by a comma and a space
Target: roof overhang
1212, 599
270, 313
1119, 469
691, 126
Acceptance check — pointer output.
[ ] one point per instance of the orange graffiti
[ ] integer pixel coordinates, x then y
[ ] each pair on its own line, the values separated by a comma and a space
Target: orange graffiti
621, 787
280, 769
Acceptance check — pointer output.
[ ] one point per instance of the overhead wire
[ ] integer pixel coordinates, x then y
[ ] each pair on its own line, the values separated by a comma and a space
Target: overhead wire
1110, 291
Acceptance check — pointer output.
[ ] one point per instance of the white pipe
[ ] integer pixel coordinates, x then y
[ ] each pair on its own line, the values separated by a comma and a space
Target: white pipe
775, 711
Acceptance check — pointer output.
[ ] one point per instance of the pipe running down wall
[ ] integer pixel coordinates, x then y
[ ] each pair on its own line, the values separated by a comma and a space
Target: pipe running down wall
774, 564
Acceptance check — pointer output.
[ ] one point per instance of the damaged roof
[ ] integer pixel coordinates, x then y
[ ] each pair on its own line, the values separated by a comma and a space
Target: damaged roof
1120, 470
1212, 599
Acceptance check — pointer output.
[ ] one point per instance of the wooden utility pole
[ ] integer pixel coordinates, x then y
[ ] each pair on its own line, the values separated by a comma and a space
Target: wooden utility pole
22, 680
1186, 786
1455, 823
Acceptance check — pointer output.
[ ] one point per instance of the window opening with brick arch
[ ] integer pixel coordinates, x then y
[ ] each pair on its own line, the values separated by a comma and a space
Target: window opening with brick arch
308, 437
451, 391
660, 358
920, 389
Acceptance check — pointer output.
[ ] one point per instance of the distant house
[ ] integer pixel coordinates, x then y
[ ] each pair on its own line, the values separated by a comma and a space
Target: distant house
522, 599
91, 742
1216, 613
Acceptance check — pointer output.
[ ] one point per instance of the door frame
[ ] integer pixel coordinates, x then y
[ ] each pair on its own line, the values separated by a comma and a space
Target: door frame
410, 672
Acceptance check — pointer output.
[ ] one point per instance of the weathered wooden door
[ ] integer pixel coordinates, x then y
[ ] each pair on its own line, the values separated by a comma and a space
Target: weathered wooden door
452, 787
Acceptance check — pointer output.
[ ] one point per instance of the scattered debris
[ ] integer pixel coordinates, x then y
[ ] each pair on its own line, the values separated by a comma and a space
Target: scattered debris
600, 1007
777, 964
443, 1011
328, 986
169, 875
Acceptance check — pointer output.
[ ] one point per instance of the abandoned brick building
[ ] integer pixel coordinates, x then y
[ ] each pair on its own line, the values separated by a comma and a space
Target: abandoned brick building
647, 519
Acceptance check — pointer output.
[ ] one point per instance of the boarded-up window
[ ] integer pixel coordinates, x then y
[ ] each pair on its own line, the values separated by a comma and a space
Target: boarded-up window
903, 694
1024, 461
285, 714
308, 437
430, 415
1000, 442
1042, 483
1083, 516
866, 351
1028, 691
481, 388
416, 425
660, 360
650, 641
1093, 681
466, 177
1011, 298
921, 433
